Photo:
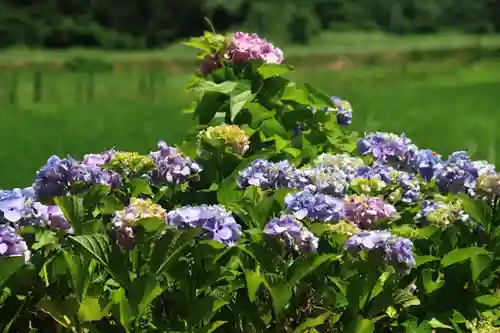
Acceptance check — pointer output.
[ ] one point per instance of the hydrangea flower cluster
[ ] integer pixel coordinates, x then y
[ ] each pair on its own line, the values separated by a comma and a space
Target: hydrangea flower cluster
344, 111
218, 223
12, 244
460, 174
325, 180
98, 159
441, 214
230, 135
363, 210
315, 207
171, 167
292, 233
388, 148
12, 204
427, 164
343, 162
58, 175
270, 175
488, 186
394, 250
245, 47
343, 227
125, 220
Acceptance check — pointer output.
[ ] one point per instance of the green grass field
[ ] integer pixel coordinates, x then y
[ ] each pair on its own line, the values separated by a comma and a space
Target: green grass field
444, 106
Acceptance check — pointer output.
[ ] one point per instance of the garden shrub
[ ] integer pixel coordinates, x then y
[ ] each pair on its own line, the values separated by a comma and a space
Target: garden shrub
270, 217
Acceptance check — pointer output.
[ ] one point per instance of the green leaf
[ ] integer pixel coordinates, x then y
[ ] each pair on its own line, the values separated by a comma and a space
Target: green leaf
437, 324
46, 237
211, 328
62, 314
144, 290
8, 267
90, 310
319, 96
78, 275
151, 224
304, 266
478, 264
429, 285
488, 300
459, 255
96, 245
209, 86
139, 186
72, 208
267, 71
203, 309
110, 204
237, 102
362, 325
294, 94
253, 280
312, 322
281, 294
421, 260
168, 249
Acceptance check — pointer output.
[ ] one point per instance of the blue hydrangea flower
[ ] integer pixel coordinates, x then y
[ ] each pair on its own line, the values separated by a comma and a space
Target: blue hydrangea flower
171, 166
215, 220
408, 188
12, 244
325, 180
427, 164
344, 111
270, 175
315, 207
441, 214
393, 250
388, 148
292, 233
12, 204
98, 159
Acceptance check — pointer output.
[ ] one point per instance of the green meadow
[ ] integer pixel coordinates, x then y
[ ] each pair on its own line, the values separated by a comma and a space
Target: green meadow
444, 105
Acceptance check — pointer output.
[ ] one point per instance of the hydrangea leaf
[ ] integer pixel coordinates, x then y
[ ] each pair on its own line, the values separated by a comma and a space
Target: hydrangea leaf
306, 265
8, 267
459, 255
267, 71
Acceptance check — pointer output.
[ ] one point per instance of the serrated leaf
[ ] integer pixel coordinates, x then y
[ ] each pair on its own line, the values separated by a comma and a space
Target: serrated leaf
304, 266
459, 255
280, 294
488, 300
208, 86
253, 280
145, 290
237, 102
267, 71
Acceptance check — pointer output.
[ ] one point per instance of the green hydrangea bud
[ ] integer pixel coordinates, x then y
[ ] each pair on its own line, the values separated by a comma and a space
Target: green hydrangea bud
229, 135
131, 163
483, 327
366, 186
343, 228
139, 209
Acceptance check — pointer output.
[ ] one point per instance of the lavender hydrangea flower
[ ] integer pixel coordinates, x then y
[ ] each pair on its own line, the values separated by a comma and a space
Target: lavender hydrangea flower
58, 175
393, 250
325, 180
315, 207
269, 175
364, 211
12, 244
245, 47
98, 159
408, 190
215, 220
427, 163
292, 233
441, 214
388, 148
171, 166
12, 204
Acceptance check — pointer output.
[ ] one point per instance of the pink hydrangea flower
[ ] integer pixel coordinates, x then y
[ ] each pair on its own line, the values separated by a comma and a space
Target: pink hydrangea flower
245, 47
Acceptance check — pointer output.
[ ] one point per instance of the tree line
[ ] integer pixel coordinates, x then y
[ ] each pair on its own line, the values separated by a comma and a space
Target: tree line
127, 24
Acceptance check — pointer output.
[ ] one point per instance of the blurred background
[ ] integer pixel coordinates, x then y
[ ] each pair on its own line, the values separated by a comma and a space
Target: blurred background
81, 76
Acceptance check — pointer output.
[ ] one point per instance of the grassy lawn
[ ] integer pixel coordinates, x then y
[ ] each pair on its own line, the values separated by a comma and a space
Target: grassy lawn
445, 106
331, 43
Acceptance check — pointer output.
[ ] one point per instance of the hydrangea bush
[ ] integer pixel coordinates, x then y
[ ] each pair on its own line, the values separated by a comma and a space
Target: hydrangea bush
271, 216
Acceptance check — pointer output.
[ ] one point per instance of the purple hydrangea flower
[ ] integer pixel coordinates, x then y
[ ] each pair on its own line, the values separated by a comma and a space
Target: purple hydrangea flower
12, 244
171, 166
58, 175
409, 188
364, 211
393, 250
218, 223
325, 180
315, 207
388, 148
344, 111
292, 233
269, 175
245, 47
427, 163
12, 204
98, 159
